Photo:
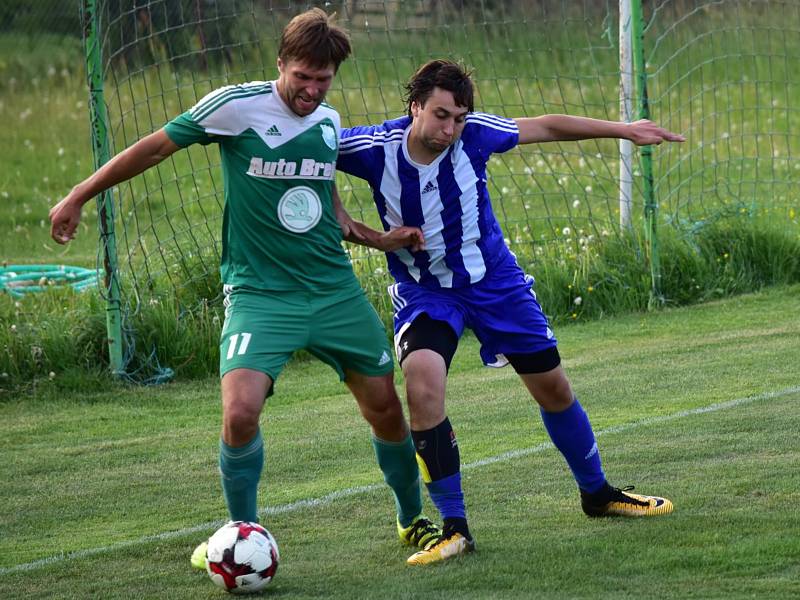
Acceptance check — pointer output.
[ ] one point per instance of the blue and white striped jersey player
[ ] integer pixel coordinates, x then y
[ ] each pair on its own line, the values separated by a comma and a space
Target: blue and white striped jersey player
428, 170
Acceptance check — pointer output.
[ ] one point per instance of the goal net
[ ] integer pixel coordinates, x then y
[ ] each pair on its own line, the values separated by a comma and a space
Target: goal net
722, 73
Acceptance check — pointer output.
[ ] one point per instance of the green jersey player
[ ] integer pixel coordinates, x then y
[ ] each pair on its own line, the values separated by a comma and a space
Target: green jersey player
287, 281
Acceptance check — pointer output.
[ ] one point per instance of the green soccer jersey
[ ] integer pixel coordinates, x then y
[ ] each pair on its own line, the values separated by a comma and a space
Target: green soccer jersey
279, 230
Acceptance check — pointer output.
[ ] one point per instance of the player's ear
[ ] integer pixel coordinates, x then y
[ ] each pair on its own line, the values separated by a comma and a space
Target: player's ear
280, 65
415, 108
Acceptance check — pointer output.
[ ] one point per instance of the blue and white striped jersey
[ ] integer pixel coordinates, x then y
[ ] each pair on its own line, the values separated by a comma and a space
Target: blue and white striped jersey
447, 199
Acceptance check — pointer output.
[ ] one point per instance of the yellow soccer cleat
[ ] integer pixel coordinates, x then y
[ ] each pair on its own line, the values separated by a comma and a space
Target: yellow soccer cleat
449, 545
421, 533
613, 501
198, 559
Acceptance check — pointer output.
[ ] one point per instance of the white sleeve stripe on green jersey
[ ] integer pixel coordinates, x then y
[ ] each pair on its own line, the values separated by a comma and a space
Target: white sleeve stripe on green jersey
226, 89
208, 105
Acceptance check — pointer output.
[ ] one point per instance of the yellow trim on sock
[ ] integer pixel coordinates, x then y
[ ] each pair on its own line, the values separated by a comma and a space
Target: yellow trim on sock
423, 469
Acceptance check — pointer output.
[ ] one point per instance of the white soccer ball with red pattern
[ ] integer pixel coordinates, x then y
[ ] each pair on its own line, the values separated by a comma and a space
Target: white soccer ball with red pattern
242, 557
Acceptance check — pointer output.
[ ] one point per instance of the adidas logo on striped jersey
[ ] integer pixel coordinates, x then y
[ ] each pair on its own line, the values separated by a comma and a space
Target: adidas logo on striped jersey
429, 187
273, 131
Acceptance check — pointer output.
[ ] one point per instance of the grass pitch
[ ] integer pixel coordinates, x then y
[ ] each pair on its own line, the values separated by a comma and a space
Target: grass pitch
106, 494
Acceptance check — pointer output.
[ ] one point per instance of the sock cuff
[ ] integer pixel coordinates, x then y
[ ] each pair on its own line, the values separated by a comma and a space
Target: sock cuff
447, 485
254, 445
444, 426
573, 408
381, 442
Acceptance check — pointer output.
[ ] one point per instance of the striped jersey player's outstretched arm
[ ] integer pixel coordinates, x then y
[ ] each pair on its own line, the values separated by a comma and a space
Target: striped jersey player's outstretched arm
565, 128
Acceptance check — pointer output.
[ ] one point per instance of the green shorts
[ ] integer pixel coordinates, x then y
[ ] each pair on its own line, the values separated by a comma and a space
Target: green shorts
341, 328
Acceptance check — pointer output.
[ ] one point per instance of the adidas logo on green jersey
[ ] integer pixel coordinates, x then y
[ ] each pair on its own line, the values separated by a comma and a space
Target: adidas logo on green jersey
273, 131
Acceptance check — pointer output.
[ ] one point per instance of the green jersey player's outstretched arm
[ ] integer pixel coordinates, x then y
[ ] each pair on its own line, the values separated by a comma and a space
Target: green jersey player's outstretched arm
137, 158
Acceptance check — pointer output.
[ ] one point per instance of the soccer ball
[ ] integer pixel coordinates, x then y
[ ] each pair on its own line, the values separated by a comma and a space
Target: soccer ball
242, 557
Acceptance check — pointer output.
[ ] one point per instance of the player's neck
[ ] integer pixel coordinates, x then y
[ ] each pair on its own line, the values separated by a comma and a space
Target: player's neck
281, 89
419, 152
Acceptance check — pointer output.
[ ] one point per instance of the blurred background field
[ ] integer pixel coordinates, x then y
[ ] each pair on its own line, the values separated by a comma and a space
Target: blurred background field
722, 74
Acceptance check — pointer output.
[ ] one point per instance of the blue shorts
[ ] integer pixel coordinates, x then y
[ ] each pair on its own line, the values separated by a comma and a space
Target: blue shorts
501, 310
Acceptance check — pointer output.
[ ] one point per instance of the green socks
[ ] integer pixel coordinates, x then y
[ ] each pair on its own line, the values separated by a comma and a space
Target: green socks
241, 469
398, 462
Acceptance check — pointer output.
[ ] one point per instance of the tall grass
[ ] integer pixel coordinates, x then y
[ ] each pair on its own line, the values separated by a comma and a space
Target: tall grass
62, 333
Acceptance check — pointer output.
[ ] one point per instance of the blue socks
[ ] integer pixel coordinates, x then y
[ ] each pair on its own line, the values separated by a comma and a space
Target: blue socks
572, 434
241, 469
399, 466
440, 463
448, 497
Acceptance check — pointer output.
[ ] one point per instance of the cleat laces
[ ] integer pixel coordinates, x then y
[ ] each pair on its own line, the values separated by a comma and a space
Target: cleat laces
421, 529
619, 495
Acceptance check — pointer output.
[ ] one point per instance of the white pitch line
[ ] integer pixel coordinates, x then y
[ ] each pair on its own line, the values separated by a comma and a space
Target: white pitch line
635, 424
354, 491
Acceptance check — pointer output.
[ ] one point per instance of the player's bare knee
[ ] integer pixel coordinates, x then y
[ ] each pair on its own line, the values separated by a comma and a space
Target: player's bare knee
554, 395
388, 412
387, 421
240, 419
425, 391
550, 389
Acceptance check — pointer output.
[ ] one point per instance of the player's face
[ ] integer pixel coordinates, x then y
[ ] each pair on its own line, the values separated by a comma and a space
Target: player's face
302, 87
439, 122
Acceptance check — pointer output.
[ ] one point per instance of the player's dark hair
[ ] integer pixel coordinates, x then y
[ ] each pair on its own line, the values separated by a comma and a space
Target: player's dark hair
443, 74
313, 38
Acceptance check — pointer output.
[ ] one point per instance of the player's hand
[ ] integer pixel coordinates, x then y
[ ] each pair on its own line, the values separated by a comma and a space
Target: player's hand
350, 231
402, 237
644, 133
64, 219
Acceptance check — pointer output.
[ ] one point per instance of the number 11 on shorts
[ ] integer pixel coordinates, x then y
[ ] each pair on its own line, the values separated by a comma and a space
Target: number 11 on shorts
234, 339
